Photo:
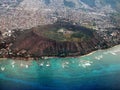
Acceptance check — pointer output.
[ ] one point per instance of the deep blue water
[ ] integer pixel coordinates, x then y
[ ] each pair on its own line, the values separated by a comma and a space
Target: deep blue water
97, 71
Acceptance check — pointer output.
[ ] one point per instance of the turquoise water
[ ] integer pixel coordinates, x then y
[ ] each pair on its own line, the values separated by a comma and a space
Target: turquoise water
97, 71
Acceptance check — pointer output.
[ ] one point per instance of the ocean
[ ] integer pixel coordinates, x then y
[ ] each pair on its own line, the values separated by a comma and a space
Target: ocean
99, 70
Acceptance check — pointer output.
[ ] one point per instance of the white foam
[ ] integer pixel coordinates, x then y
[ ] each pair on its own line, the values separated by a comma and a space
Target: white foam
13, 62
2, 68
13, 66
48, 64
85, 63
41, 64
26, 66
65, 64
99, 57
21, 65
105, 52
117, 51
113, 53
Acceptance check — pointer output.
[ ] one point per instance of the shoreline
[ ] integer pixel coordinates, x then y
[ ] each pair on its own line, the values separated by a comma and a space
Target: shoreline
48, 57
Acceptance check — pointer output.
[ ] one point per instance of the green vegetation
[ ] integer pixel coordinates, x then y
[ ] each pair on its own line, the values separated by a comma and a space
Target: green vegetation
66, 35
54, 35
64, 32
80, 35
